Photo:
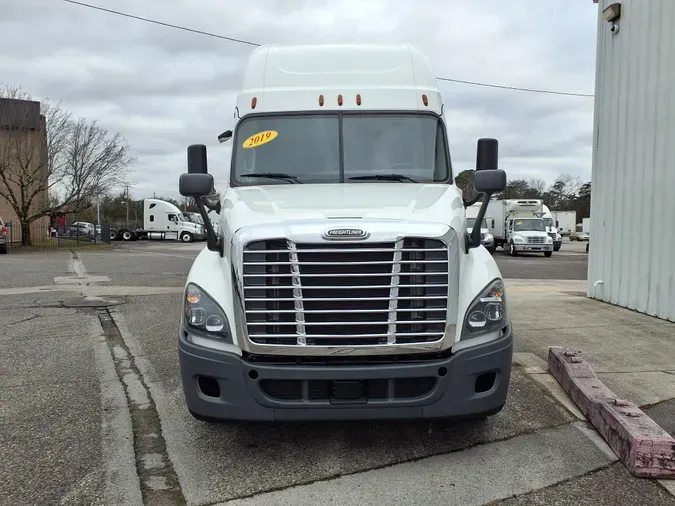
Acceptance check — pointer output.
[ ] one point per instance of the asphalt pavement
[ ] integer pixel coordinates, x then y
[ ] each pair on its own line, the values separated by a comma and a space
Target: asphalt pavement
93, 410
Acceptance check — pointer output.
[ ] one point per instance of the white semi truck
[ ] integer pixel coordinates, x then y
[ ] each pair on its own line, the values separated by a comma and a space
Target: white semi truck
551, 228
163, 220
342, 283
486, 237
519, 226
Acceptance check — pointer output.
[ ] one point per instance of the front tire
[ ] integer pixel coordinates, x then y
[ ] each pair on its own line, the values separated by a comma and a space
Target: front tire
127, 235
512, 249
186, 237
548, 254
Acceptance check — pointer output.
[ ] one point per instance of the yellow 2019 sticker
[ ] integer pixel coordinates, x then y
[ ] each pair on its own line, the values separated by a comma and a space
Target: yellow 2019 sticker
259, 139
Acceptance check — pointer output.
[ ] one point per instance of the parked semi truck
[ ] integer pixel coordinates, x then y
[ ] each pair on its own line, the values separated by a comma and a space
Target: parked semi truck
342, 283
551, 228
163, 220
486, 237
519, 226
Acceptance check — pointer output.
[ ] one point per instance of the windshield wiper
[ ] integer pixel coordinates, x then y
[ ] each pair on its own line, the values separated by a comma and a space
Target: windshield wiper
274, 175
385, 177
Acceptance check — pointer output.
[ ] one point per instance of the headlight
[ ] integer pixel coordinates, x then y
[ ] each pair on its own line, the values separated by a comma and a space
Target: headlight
202, 316
558, 237
488, 237
518, 239
487, 312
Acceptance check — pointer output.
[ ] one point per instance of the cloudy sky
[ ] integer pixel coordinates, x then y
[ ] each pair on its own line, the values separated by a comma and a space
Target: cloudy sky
165, 88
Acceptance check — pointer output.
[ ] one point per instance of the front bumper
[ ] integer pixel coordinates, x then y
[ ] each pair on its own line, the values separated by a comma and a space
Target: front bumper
533, 247
471, 382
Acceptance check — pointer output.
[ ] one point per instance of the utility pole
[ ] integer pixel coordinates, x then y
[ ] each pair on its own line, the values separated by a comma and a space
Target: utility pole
126, 191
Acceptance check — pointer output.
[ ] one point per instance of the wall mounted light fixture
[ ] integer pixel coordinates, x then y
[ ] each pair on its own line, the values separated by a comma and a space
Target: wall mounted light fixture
612, 12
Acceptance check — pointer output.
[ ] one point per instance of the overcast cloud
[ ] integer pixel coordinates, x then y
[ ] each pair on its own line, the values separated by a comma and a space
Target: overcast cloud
164, 89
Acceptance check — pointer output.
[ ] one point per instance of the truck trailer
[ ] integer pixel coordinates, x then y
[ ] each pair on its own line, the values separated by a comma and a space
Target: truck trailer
163, 220
565, 221
342, 282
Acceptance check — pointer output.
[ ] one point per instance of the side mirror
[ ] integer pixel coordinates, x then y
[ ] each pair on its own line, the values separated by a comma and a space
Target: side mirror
196, 159
487, 154
195, 185
489, 181
225, 136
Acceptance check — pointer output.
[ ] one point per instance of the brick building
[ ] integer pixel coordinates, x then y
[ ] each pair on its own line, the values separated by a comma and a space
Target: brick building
23, 154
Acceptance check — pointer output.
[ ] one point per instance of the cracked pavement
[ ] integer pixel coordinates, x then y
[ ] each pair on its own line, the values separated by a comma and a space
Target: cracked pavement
92, 407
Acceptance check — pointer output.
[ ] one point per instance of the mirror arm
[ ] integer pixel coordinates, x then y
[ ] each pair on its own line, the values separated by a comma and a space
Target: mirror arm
469, 203
473, 240
213, 243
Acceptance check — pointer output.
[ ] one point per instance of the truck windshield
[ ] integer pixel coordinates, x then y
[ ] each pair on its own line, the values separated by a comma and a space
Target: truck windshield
529, 224
334, 148
471, 221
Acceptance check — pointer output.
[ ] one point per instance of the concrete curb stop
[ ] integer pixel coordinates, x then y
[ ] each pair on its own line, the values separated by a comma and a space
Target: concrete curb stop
643, 446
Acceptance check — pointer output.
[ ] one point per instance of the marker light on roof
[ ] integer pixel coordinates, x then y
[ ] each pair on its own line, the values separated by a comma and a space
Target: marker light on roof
358, 99
425, 100
339, 99
321, 100
254, 101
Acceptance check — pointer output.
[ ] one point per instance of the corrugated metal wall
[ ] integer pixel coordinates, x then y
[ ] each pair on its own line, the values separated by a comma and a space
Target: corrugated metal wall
632, 249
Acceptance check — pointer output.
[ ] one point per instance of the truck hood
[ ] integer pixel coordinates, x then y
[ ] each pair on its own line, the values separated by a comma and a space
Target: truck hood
188, 225
482, 230
253, 205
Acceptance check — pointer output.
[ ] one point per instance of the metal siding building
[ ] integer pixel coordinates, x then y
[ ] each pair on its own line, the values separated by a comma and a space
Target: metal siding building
632, 250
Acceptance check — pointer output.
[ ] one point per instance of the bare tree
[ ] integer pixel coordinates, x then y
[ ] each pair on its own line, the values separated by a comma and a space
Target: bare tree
538, 185
94, 163
49, 162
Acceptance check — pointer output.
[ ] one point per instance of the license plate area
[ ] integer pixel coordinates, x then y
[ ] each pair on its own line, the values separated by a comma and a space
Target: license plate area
348, 391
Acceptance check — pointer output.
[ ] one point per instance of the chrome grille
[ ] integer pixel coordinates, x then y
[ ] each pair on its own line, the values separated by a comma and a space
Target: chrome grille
535, 240
552, 235
333, 294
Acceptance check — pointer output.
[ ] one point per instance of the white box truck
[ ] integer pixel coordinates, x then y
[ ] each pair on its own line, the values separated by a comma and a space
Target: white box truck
342, 283
163, 220
519, 226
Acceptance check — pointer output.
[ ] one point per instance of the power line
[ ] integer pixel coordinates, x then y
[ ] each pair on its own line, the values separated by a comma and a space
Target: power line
250, 43
161, 23
515, 88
